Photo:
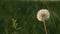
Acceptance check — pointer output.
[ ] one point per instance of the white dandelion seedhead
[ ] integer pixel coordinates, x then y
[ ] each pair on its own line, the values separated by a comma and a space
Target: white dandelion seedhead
43, 14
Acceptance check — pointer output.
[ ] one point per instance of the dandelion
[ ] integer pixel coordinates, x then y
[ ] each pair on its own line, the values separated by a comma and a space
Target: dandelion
43, 15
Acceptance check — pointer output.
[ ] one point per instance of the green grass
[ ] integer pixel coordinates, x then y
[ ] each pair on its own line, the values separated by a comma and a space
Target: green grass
25, 15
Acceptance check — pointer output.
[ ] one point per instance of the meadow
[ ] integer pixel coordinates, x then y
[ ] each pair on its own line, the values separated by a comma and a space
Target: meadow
19, 17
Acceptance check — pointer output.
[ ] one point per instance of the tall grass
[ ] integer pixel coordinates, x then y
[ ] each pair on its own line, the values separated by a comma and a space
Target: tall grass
24, 15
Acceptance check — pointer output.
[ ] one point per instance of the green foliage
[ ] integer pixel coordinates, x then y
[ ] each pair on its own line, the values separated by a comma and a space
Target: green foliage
24, 15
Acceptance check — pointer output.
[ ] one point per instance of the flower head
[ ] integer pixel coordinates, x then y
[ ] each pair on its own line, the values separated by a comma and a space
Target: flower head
43, 14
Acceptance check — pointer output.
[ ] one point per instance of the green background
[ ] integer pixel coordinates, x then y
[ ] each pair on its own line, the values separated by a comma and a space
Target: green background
25, 14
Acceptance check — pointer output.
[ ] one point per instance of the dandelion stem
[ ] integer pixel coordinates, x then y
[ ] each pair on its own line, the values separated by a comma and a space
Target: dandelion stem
45, 26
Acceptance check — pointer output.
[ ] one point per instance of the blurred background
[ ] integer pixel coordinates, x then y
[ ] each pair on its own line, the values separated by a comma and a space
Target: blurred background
19, 17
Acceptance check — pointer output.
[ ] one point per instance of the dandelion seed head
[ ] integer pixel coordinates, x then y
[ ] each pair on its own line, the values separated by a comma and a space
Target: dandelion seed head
43, 14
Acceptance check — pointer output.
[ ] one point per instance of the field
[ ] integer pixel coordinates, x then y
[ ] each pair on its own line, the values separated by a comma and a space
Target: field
19, 17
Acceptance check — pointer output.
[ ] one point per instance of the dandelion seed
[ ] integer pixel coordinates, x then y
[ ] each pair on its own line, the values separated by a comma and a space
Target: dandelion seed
43, 15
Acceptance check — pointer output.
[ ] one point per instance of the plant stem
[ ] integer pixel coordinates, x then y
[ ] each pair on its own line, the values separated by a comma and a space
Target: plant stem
45, 26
